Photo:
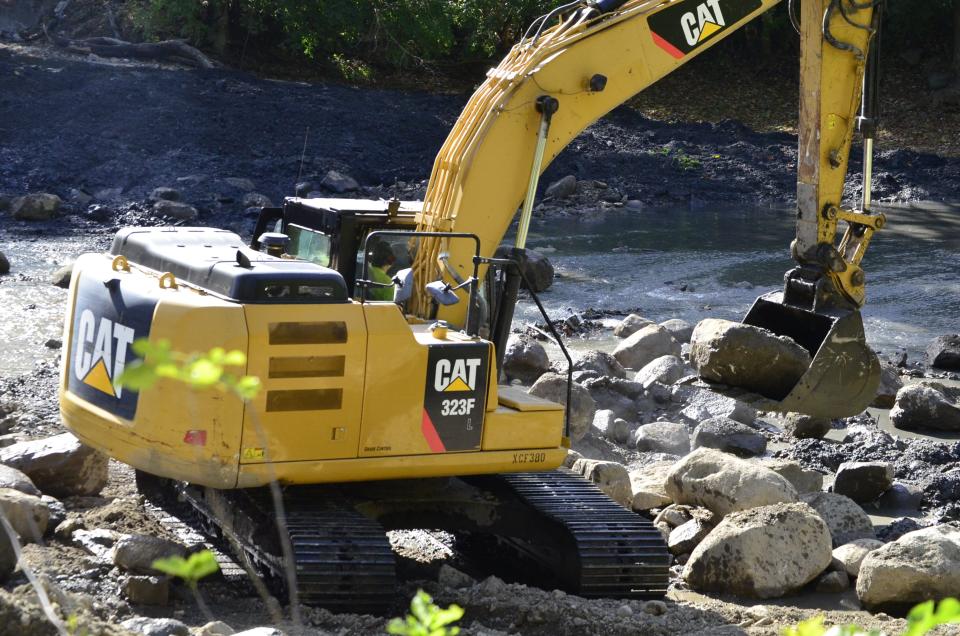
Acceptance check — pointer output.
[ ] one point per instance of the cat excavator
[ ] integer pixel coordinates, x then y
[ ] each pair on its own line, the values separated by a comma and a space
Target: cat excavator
384, 411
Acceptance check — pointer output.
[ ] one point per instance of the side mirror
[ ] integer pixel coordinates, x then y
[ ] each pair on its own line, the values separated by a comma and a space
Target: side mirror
442, 293
403, 285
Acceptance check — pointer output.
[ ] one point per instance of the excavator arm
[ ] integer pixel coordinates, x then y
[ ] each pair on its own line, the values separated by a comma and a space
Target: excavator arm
562, 77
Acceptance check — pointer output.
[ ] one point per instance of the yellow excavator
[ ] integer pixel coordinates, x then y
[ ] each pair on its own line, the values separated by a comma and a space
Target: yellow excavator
378, 328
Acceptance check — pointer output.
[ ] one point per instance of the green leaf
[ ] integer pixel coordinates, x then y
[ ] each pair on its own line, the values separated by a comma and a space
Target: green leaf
195, 567
926, 616
137, 376
247, 387
235, 359
203, 373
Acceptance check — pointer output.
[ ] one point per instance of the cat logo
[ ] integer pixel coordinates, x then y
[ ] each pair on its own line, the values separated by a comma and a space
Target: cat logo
683, 26
101, 352
456, 375
707, 20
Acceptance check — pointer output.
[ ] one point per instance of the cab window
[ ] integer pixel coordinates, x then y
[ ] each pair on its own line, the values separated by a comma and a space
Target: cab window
309, 245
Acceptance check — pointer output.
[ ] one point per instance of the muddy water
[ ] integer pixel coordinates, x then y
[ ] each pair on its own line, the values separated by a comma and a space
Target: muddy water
713, 262
31, 308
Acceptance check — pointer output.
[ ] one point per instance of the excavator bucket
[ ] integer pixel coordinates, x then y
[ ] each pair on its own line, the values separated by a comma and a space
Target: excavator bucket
844, 374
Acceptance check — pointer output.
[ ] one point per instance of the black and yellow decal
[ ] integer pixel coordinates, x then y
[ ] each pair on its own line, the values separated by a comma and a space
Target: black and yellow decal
107, 319
682, 27
455, 396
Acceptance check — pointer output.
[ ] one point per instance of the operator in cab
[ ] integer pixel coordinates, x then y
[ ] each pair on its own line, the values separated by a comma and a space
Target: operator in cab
381, 260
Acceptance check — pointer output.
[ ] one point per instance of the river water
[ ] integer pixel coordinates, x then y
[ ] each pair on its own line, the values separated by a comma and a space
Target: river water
713, 262
722, 257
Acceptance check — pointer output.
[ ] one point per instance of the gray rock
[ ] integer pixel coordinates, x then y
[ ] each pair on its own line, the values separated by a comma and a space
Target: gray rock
724, 483
261, 631
729, 436
850, 556
847, 521
339, 182
863, 481
920, 565
27, 514
58, 512
684, 538
920, 407
156, 626
702, 404
890, 384
833, 582
608, 426
304, 188
663, 437
944, 352
137, 552
631, 325
452, 577
535, 266
571, 458
256, 200
165, 194
681, 330
36, 207
80, 198
662, 370
108, 194
146, 590
562, 188
245, 185
4, 264
215, 628
553, 387
765, 552
675, 515
175, 210
748, 357
644, 346
60, 466
612, 478
98, 542
647, 484
61, 277
13, 478
616, 395
525, 359
804, 426
601, 362
802, 480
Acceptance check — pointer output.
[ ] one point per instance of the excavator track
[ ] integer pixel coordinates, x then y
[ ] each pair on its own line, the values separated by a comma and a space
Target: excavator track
616, 553
343, 560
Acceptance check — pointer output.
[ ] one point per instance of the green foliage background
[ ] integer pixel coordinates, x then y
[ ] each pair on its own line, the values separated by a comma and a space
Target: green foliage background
358, 36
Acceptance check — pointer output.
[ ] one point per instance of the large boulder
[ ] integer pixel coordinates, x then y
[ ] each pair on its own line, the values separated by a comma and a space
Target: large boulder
944, 352
850, 556
919, 566
176, 210
27, 514
646, 345
155, 626
561, 188
663, 437
702, 404
890, 384
137, 552
338, 182
60, 466
729, 436
647, 484
601, 362
764, 552
631, 325
803, 426
61, 277
36, 207
687, 536
607, 425
748, 357
925, 406
612, 478
535, 266
847, 521
724, 483
803, 480
863, 481
553, 387
13, 478
525, 359
663, 370
681, 330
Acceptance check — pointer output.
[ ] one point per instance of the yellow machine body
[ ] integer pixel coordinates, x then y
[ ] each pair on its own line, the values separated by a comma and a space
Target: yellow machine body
343, 399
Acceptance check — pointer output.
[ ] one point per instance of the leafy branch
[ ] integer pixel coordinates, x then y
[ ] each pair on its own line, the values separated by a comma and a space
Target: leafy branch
426, 619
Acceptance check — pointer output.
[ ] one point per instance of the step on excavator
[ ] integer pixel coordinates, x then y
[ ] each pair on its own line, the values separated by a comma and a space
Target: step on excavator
378, 328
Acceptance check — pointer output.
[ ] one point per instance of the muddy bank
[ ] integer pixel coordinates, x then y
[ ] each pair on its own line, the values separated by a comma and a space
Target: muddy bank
116, 132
